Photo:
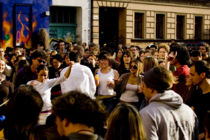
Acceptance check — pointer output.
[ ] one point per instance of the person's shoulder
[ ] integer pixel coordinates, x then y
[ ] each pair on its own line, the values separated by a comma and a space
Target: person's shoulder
85, 67
64, 69
125, 75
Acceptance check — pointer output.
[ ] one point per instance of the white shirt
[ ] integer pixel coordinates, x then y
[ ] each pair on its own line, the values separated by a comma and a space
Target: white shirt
130, 94
104, 78
44, 89
80, 79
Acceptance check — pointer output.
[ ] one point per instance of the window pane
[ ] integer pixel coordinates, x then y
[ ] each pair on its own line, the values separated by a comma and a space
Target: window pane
160, 26
180, 27
139, 25
65, 15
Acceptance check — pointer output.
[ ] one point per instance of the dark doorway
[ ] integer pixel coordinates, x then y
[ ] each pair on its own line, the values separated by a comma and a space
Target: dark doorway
198, 27
108, 28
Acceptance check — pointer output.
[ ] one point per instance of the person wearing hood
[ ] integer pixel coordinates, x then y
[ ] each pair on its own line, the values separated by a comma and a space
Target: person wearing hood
166, 117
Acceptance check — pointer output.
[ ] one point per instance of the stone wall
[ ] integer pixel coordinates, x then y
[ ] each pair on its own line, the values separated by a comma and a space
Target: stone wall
150, 9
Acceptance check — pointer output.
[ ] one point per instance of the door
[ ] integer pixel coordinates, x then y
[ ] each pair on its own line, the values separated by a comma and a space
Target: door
108, 27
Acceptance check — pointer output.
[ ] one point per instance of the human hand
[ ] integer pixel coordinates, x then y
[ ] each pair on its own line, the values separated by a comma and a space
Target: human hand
110, 84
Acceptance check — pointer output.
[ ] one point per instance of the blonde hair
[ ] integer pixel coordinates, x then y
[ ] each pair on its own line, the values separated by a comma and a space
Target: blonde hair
124, 123
149, 62
165, 46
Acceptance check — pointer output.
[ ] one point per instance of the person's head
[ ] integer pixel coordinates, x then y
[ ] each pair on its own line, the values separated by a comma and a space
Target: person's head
120, 46
182, 55
141, 55
19, 58
42, 73
162, 62
40, 46
92, 46
124, 123
2, 53
134, 52
204, 49
104, 60
163, 50
79, 49
75, 56
22, 112
155, 54
2, 65
125, 48
147, 53
199, 71
66, 59
153, 47
61, 45
157, 80
38, 57
119, 54
126, 58
149, 62
44, 132
195, 55
84, 45
56, 61
135, 67
12, 59
91, 58
173, 41
17, 51
76, 108
21, 61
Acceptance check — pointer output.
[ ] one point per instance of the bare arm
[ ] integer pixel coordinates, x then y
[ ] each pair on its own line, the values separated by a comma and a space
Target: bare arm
69, 70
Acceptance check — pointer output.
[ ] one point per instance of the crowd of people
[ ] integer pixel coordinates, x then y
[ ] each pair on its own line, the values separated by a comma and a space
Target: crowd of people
89, 93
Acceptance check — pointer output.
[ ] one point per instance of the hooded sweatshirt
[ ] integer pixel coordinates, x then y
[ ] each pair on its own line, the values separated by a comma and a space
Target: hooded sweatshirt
168, 118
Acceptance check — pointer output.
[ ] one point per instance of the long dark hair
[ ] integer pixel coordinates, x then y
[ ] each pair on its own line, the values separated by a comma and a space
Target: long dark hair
22, 113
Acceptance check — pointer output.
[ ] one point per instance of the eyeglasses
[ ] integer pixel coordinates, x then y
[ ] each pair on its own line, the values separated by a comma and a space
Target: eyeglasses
134, 67
41, 61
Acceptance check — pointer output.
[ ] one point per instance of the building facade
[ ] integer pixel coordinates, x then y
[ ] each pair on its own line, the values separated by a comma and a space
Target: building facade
70, 20
142, 22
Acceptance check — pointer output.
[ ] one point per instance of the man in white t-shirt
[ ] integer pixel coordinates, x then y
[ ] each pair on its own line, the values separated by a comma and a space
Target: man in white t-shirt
81, 77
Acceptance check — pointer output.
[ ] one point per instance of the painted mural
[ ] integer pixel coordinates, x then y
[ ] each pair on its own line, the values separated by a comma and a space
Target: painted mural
20, 18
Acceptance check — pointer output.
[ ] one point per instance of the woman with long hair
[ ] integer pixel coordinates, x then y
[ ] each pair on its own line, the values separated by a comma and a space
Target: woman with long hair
124, 123
128, 83
22, 113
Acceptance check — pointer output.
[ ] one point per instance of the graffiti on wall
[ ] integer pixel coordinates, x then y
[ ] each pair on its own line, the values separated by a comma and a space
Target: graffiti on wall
7, 29
23, 31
